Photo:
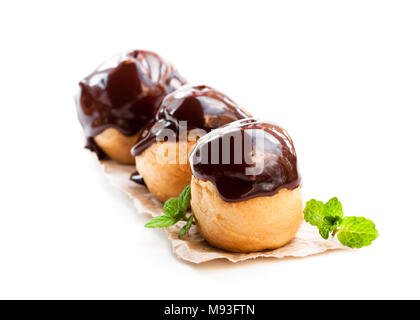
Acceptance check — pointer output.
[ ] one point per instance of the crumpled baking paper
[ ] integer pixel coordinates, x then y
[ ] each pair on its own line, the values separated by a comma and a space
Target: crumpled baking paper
193, 248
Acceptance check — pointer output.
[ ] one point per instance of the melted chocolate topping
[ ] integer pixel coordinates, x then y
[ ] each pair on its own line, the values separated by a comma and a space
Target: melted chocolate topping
137, 178
229, 173
201, 107
92, 146
124, 92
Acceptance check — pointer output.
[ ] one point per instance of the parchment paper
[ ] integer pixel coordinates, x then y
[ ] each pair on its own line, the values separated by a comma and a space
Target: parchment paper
193, 247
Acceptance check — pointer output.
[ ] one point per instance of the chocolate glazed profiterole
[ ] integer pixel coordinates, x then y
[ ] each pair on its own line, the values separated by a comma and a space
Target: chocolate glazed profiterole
199, 107
120, 97
244, 211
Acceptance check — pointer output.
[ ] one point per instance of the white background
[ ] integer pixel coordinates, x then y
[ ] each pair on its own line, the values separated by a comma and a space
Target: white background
342, 77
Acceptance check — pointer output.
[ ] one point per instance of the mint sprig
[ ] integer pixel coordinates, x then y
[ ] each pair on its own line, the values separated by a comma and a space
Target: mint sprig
324, 216
353, 232
186, 227
174, 210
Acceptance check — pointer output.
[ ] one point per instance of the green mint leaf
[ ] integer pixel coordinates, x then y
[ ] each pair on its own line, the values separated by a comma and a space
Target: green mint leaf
184, 199
357, 232
333, 208
314, 212
171, 207
162, 221
186, 227
325, 230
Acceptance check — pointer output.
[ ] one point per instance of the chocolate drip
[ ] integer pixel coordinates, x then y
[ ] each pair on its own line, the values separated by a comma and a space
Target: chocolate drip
137, 178
229, 174
201, 107
124, 92
92, 146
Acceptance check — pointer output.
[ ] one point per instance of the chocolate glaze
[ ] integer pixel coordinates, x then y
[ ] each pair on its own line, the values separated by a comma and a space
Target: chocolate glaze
92, 146
231, 181
200, 106
137, 178
124, 93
